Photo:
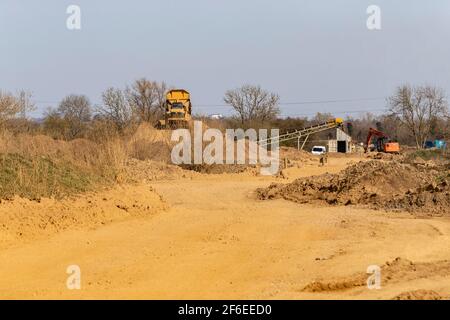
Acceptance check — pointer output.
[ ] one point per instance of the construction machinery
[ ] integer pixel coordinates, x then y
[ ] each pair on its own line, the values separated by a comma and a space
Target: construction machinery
383, 143
178, 110
303, 133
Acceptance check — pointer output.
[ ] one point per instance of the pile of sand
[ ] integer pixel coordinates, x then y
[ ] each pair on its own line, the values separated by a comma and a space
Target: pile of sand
23, 220
377, 184
297, 155
148, 170
392, 271
432, 198
148, 143
382, 156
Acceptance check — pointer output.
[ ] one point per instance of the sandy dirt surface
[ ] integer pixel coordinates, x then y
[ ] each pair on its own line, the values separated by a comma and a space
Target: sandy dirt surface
209, 237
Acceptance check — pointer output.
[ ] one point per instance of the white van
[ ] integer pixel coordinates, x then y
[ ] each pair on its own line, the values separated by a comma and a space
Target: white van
318, 150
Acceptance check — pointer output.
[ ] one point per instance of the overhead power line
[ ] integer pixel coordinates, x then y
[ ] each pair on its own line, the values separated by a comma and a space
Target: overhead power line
304, 102
332, 112
284, 114
310, 102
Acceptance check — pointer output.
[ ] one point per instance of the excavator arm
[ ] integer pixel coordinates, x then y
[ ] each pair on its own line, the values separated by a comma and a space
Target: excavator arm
373, 132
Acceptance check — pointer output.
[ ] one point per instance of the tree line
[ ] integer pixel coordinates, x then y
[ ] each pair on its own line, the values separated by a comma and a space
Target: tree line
413, 114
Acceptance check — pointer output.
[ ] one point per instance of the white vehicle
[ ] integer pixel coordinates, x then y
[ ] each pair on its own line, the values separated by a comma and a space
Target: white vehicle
318, 150
216, 117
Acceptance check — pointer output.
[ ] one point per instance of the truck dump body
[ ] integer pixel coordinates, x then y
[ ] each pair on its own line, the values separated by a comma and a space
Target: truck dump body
178, 109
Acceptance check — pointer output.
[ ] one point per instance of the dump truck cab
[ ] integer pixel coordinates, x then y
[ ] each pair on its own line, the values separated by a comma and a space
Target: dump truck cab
178, 109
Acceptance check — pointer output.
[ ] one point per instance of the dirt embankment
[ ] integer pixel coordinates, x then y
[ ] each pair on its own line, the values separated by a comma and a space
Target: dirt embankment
137, 171
390, 185
220, 169
22, 220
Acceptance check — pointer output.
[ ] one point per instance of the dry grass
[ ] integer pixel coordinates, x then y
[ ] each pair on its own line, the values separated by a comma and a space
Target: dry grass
35, 166
36, 177
83, 153
148, 143
39, 166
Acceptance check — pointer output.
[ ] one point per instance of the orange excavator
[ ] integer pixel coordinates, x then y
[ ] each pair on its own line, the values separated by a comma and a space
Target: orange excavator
383, 143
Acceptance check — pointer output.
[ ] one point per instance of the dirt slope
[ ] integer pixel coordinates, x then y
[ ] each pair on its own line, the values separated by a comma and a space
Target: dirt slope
218, 241
22, 220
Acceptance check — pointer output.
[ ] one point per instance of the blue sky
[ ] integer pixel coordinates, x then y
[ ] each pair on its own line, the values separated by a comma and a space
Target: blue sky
306, 51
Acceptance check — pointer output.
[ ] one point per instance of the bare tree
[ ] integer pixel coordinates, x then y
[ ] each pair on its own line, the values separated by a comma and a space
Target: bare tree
116, 108
321, 117
253, 103
53, 124
147, 98
12, 106
76, 112
417, 108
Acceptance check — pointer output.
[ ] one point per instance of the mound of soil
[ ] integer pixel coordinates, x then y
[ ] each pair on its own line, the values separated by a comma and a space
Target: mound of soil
297, 155
149, 170
148, 143
23, 220
419, 295
216, 169
391, 270
377, 184
381, 156
433, 199
398, 270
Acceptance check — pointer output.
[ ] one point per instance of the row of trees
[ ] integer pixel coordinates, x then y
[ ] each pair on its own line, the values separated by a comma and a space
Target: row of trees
141, 102
253, 104
414, 114
12, 105
420, 110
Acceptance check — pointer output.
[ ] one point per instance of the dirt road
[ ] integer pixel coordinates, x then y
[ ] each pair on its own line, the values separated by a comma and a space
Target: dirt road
216, 240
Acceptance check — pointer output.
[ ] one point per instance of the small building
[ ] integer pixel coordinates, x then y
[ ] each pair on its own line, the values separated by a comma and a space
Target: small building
339, 141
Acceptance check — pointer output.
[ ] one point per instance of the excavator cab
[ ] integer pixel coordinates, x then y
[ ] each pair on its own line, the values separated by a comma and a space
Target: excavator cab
380, 144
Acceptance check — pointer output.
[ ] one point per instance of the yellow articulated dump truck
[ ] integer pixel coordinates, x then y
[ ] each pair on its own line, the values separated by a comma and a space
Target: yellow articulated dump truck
178, 110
